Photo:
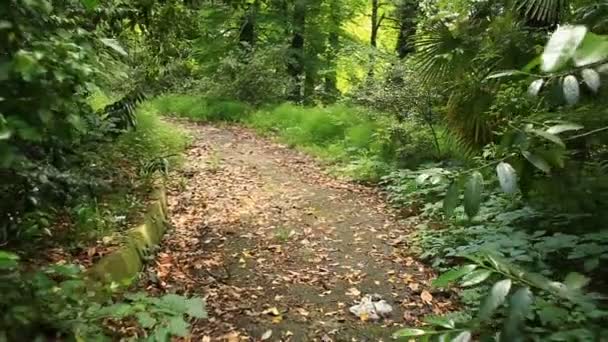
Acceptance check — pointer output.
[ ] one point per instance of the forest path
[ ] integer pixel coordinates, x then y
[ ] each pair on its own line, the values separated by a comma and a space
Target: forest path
279, 249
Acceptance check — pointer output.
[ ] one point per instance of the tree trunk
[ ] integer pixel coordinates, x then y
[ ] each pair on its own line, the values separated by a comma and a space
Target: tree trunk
376, 22
407, 11
247, 35
331, 55
295, 63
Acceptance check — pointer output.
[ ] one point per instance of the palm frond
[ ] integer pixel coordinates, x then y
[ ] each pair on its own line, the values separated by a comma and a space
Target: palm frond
439, 53
546, 11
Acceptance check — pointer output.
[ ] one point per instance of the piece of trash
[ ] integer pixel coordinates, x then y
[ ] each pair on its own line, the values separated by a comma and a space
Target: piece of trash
371, 307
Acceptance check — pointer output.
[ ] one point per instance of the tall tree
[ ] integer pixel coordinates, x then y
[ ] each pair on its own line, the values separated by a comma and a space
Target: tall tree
406, 14
376, 22
295, 63
333, 47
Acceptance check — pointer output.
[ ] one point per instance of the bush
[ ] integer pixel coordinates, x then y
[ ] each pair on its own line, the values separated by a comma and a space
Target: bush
199, 108
59, 303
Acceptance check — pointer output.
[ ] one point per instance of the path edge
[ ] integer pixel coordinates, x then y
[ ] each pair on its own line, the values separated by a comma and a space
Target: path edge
123, 265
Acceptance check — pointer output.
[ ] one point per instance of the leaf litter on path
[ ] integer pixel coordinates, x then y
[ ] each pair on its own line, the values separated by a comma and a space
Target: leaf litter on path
280, 250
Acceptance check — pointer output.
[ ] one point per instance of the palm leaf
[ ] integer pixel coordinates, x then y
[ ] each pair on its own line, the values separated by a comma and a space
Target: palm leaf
547, 11
438, 51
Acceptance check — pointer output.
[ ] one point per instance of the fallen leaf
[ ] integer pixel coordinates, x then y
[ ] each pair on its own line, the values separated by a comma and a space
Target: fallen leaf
266, 335
272, 311
354, 292
426, 296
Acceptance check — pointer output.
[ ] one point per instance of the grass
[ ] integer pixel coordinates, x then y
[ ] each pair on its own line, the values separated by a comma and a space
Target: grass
199, 108
363, 145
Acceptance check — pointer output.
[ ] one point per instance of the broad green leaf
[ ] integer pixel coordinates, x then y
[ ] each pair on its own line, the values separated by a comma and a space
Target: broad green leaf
593, 49
592, 79
535, 87
464, 336
576, 281
571, 89
557, 129
411, 332
450, 202
145, 319
114, 45
507, 177
453, 275
178, 327
475, 277
175, 303
89, 4
548, 136
440, 322
196, 308
472, 194
8, 260
537, 161
8, 256
562, 46
494, 299
519, 306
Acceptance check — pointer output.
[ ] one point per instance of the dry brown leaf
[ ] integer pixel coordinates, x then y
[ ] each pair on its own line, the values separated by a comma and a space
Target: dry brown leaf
426, 296
353, 292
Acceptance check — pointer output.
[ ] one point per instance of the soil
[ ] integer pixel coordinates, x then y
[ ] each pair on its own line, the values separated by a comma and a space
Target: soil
280, 250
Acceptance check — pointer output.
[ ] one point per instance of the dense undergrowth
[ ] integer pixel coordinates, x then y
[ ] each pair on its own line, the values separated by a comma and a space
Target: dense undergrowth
361, 144
494, 150
523, 229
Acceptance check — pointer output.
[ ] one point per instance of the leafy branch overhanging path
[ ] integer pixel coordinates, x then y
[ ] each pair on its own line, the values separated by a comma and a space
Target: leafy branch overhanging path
280, 250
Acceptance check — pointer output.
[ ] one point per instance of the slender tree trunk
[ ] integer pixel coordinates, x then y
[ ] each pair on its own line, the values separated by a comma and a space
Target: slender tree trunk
295, 63
247, 35
375, 26
407, 12
333, 47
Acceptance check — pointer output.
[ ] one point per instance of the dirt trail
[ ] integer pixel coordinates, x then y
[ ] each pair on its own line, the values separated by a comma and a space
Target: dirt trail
274, 244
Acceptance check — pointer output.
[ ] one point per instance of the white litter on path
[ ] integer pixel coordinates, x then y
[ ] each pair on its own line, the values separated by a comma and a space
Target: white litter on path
372, 307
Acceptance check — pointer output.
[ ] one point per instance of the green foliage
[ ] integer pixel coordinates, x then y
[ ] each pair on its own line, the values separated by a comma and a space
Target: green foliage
201, 109
59, 302
523, 308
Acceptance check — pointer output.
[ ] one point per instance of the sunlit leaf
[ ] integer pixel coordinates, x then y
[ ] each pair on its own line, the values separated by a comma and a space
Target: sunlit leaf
453, 275
507, 177
114, 45
537, 161
464, 336
571, 89
475, 277
494, 299
472, 194
443, 322
557, 129
410, 332
505, 73
561, 46
593, 49
548, 136
535, 87
575, 281
450, 202
592, 79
